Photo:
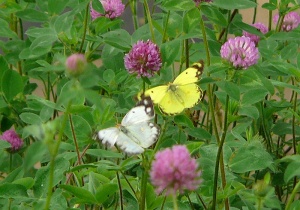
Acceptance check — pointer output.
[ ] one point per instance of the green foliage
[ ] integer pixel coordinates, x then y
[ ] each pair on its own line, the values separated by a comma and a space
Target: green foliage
244, 133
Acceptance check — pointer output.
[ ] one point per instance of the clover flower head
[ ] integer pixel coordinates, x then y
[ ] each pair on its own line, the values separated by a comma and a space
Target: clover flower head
75, 64
143, 58
12, 137
290, 21
112, 8
241, 52
261, 27
174, 170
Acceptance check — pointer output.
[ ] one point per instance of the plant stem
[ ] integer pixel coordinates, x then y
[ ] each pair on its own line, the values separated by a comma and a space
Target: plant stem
143, 186
292, 196
75, 140
133, 7
53, 156
175, 202
120, 191
149, 19
84, 26
205, 42
219, 159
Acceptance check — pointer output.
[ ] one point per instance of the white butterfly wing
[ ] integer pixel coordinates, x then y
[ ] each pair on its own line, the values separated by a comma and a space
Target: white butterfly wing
143, 112
144, 134
126, 144
135, 132
109, 135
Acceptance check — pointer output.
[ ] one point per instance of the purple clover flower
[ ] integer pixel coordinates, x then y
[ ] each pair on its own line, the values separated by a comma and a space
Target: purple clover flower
75, 64
290, 21
174, 170
12, 137
241, 52
143, 58
261, 27
112, 8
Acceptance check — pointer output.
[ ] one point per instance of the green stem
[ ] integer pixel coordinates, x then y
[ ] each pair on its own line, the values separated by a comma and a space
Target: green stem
133, 7
149, 19
187, 56
75, 140
254, 13
292, 196
143, 186
205, 42
175, 202
53, 156
294, 123
87, 9
120, 191
165, 27
218, 158
10, 162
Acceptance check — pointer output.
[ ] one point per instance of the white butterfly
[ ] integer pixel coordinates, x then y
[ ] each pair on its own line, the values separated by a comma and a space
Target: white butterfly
135, 131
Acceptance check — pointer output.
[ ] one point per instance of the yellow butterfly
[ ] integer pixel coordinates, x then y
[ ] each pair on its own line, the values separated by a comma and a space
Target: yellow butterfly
181, 94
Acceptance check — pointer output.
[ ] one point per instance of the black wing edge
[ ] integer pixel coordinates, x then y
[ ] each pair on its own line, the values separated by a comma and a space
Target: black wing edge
147, 102
199, 66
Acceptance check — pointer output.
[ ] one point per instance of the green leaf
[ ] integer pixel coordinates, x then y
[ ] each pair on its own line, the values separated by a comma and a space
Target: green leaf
101, 153
119, 39
290, 51
32, 15
80, 193
4, 145
42, 44
253, 96
11, 84
214, 15
230, 88
269, 6
82, 129
63, 23
40, 32
6, 31
170, 51
12, 191
30, 118
183, 120
178, 5
250, 111
27, 182
56, 6
109, 75
191, 20
233, 4
105, 191
292, 170
34, 154
250, 157
199, 133
15, 174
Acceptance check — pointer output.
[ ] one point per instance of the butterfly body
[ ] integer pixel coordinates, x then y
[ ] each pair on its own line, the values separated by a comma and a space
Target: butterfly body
136, 132
181, 93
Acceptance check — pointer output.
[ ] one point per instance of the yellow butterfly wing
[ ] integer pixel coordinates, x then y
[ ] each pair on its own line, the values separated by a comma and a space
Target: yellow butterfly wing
157, 93
182, 93
190, 75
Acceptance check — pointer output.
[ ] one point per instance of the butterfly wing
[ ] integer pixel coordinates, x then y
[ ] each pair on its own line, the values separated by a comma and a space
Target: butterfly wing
135, 132
157, 93
125, 143
109, 135
190, 75
141, 113
145, 134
